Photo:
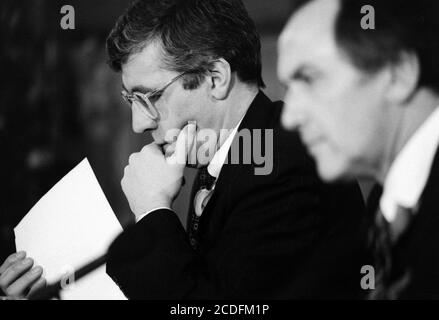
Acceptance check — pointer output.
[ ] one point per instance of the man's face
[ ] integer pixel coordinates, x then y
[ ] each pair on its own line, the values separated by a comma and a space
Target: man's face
143, 72
339, 111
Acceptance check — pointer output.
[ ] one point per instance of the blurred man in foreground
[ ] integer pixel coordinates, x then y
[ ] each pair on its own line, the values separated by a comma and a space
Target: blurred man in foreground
365, 101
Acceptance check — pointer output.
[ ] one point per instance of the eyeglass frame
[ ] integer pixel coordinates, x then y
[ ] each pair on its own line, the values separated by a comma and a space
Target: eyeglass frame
149, 110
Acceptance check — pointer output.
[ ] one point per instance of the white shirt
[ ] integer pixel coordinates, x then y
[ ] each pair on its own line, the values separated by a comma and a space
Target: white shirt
215, 165
217, 162
410, 170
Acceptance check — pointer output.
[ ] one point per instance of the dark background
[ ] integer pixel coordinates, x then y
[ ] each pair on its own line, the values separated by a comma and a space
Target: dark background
59, 101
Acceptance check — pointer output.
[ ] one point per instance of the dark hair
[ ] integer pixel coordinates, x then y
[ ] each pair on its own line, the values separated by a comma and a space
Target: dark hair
192, 33
404, 26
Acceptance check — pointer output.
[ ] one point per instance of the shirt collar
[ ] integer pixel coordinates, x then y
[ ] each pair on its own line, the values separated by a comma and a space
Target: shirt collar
409, 172
217, 162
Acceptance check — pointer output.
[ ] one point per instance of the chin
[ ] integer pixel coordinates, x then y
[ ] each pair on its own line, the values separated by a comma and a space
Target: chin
333, 169
328, 175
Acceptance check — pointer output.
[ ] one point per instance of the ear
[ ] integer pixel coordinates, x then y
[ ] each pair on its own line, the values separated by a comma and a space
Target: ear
404, 78
221, 77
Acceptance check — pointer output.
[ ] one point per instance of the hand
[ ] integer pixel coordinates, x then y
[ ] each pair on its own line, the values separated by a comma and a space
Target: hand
150, 180
17, 277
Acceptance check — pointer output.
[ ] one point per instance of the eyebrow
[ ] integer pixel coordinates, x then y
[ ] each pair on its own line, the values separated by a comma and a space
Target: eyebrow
302, 68
139, 88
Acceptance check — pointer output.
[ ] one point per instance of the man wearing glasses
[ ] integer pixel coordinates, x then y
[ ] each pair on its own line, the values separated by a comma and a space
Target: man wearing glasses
194, 65
147, 100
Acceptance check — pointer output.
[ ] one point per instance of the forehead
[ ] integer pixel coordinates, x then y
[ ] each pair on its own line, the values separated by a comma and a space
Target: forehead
309, 35
144, 68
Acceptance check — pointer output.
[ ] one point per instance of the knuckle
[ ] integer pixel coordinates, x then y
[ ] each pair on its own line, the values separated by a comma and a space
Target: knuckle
132, 158
11, 258
123, 184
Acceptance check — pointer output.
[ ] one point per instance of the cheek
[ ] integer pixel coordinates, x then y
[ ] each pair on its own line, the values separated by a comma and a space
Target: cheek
357, 135
173, 114
349, 117
183, 106
346, 115
342, 140
163, 110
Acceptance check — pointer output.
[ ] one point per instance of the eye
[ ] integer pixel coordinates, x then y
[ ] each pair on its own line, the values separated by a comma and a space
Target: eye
155, 97
303, 77
306, 76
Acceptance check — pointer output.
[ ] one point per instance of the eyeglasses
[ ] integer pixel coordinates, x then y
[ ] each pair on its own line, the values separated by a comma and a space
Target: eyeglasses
147, 100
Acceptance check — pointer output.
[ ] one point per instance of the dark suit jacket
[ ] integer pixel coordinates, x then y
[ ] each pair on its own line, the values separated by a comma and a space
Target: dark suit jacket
418, 249
283, 235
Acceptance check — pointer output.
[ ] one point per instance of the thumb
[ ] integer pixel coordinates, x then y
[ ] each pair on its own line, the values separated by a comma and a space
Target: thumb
184, 144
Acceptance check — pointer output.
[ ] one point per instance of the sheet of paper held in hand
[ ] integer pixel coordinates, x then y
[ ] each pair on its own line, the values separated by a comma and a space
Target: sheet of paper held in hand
70, 226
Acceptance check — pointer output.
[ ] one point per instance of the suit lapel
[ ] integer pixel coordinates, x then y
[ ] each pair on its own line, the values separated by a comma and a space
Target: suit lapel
255, 118
431, 190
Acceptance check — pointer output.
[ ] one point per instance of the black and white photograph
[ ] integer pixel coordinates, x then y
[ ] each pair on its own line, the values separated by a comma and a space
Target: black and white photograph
221, 156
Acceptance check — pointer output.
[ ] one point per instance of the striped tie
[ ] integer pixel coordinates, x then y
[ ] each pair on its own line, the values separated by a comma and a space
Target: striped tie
391, 277
201, 192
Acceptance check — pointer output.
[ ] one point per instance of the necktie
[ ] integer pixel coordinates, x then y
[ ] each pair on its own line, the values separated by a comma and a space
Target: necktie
391, 276
201, 193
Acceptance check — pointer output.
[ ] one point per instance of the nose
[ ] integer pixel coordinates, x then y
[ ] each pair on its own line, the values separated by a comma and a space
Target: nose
140, 121
294, 111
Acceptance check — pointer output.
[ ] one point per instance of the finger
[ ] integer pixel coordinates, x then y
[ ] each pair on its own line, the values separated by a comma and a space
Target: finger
123, 184
14, 271
132, 158
127, 170
21, 286
39, 284
183, 145
11, 260
151, 147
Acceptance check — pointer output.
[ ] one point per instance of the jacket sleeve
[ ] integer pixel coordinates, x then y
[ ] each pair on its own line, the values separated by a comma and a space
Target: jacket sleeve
264, 245
259, 249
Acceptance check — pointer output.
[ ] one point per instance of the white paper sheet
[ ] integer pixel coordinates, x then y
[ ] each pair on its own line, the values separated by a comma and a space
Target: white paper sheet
70, 226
